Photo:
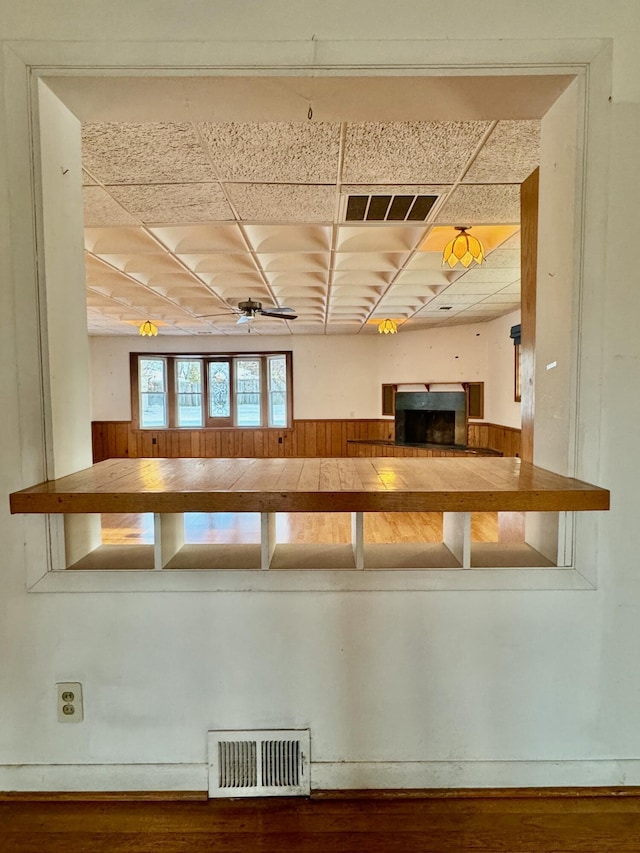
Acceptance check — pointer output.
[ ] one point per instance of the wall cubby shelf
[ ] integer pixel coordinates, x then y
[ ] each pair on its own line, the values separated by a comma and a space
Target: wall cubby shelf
171, 487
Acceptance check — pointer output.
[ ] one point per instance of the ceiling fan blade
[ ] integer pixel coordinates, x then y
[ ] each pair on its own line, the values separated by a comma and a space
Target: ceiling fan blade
222, 314
289, 315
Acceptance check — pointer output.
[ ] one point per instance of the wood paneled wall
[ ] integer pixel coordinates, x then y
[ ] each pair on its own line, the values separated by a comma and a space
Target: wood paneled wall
503, 438
117, 439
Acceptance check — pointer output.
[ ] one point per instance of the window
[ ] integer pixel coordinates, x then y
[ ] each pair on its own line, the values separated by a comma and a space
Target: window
194, 392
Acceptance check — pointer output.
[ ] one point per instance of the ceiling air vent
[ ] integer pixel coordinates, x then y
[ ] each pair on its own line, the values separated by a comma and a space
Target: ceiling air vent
264, 763
389, 208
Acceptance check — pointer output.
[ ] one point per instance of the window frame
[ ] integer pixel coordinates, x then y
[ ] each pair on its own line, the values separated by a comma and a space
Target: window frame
208, 421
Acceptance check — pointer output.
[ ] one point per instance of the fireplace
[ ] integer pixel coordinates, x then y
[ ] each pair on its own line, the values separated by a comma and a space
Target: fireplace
431, 417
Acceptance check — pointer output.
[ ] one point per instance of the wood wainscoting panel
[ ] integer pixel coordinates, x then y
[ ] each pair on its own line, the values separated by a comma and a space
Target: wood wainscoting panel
306, 438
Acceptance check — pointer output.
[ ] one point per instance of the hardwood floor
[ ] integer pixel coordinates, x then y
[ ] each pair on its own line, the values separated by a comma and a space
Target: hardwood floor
365, 822
294, 527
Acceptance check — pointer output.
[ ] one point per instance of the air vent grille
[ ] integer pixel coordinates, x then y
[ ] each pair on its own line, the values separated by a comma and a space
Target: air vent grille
389, 208
259, 763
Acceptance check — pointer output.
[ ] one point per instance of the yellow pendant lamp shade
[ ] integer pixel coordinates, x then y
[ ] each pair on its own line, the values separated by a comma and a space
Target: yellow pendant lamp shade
463, 249
388, 327
148, 329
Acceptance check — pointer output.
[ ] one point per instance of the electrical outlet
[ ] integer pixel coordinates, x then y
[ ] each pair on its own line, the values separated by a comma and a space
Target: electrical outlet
70, 705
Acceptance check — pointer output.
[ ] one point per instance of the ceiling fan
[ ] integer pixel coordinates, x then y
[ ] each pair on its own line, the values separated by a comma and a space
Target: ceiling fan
250, 309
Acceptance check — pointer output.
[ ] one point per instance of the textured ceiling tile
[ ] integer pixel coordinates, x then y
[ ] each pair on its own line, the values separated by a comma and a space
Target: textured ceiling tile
409, 152
196, 239
511, 153
154, 152
301, 152
100, 209
171, 204
481, 274
478, 289
501, 297
289, 238
503, 258
394, 189
283, 202
478, 205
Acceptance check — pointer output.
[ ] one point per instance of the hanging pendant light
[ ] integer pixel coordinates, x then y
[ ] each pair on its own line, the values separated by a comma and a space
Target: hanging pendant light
148, 329
388, 327
464, 249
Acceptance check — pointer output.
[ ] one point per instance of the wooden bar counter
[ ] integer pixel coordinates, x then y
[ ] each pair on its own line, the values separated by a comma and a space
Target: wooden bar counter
310, 485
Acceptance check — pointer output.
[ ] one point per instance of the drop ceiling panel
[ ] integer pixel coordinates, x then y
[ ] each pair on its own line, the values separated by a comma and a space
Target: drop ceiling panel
482, 274
288, 238
104, 241
378, 261
362, 277
425, 277
411, 152
101, 209
509, 156
154, 152
197, 239
283, 202
379, 238
170, 204
270, 152
474, 205
290, 279
299, 261
143, 266
220, 262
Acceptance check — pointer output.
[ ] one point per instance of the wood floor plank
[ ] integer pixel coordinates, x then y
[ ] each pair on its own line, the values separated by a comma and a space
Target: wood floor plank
447, 823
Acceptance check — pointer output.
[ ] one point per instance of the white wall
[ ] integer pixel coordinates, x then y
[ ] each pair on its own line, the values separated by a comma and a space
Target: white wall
337, 376
499, 404
446, 688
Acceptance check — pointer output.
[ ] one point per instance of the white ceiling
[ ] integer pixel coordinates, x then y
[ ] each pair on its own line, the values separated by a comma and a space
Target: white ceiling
186, 218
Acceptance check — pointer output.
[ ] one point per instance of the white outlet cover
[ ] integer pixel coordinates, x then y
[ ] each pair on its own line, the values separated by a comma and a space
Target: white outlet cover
70, 704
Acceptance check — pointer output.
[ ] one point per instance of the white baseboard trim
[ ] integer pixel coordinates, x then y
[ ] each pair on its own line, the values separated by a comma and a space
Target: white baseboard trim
330, 775
474, 774
103, 777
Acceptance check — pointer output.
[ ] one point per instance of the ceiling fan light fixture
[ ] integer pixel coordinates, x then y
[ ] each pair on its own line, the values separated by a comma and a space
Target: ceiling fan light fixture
463, 249
148, 329
387, 327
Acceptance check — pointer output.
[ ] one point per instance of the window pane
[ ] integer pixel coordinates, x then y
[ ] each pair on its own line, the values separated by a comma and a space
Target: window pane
189, 390
152, 381
219, 389
248, 411
277, 391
